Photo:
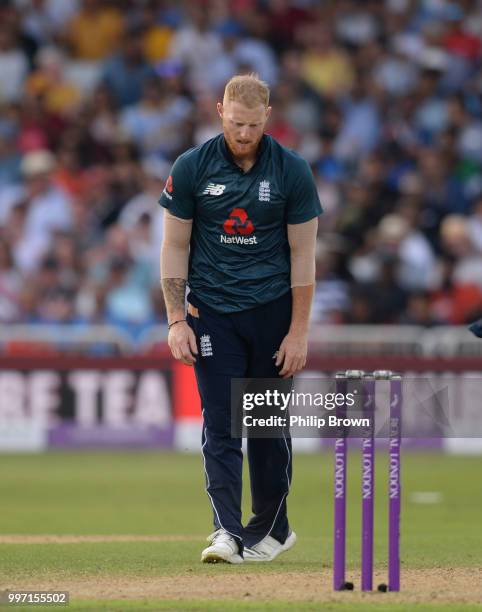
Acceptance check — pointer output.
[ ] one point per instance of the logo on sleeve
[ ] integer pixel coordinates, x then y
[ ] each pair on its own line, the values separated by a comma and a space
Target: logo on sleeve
264, 191
168, 188
214, 189
239, 227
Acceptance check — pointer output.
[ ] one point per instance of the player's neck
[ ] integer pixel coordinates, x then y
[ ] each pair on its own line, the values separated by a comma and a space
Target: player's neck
245, 163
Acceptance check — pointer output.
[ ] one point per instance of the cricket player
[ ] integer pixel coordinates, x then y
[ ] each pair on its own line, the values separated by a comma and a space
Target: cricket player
240, 230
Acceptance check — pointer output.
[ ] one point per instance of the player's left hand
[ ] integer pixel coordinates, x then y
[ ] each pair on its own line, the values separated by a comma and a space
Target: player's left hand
292, 354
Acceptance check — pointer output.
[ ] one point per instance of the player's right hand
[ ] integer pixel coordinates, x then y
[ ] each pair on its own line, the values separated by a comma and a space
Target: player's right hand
182, 342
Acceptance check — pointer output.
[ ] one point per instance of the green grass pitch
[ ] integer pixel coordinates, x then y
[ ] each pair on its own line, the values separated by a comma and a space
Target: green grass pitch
162, 495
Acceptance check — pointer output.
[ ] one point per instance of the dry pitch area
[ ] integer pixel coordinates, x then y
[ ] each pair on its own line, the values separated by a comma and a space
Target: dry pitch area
445, 585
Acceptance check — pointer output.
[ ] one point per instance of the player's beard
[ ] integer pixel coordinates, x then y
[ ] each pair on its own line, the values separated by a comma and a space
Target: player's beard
240, 150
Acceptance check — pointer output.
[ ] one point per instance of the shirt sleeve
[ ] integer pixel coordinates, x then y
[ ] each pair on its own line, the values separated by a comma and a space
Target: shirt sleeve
303, 201
178, 193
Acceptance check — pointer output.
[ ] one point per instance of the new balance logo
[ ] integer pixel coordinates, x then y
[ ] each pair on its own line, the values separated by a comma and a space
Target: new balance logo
214, 189
206, 346
264, 191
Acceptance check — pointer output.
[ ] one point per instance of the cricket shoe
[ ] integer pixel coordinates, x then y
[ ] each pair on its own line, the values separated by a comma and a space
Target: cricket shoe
269, 548
223, 549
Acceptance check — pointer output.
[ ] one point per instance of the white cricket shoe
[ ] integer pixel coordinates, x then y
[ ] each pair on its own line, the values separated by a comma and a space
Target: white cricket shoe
223, 549
269, 548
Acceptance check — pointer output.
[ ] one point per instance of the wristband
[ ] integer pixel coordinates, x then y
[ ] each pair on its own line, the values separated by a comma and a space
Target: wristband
169, 325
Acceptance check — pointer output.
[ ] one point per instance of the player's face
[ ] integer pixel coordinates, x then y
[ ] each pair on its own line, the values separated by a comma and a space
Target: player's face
243, 127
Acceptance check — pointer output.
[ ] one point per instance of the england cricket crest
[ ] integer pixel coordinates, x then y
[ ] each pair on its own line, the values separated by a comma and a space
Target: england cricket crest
264, 191
206, 346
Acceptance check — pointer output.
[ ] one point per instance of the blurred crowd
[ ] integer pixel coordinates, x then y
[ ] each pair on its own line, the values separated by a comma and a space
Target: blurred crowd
382, 97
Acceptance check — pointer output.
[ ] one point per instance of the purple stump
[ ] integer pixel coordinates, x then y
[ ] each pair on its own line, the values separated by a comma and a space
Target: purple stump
368, 484
339, 536
394, 488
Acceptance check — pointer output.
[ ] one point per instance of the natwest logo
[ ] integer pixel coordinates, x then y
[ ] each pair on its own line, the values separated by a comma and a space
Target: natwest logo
238, 223
238, 226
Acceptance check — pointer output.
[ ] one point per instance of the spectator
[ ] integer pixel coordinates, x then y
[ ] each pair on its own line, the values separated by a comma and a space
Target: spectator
43, 19
419, 311
104, 125
361, 311
9, 160
389, 299
255, 55
395, 74
47, 210
39, 21
127, 303
207, 122
360, 129
195, 45
142, 216
38, 129
456, 242
300, 106
95, 31
331, 299
324, 65
58, 308
281, 129
453, 302
69, 175
157, 123
13, 66
158, 33
126, 73
443, 192
64, 252
416, 269
355, 25
285, 19
49, 82
226, 62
